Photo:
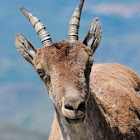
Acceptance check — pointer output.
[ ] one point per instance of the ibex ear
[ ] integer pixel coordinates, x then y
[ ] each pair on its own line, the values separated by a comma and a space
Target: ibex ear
94, 35
25, 48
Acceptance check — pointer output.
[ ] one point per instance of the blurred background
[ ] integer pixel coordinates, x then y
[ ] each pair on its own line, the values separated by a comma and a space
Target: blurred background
26, 111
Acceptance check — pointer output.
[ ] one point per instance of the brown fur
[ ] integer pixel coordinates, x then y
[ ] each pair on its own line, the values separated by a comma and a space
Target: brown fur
118, 97
115, 89
101, 103
65, 62
114, 101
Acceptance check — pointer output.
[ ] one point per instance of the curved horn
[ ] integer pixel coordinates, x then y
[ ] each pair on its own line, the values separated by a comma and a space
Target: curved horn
39, 27
74, 23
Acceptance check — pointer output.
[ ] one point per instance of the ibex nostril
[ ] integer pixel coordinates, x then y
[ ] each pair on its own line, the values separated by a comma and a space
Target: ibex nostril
69, 107
81, 107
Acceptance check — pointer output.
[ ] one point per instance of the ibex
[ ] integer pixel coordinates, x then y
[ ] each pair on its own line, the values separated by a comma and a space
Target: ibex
99, 102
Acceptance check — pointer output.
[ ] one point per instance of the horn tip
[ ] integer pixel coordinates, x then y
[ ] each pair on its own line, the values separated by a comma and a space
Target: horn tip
82, 1
20, 7
23, 10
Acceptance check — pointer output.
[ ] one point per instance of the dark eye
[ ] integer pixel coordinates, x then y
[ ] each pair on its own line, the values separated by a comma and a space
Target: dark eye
41, 72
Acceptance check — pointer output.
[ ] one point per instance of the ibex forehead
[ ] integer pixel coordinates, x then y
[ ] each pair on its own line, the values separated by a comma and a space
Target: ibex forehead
63, 54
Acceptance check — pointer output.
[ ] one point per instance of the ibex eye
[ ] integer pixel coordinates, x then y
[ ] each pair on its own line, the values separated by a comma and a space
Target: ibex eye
41, 72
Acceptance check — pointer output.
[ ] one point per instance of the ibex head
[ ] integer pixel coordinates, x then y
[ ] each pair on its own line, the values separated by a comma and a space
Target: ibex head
65, 66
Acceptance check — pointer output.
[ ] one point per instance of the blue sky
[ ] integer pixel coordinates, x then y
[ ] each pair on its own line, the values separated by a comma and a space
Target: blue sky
23, 101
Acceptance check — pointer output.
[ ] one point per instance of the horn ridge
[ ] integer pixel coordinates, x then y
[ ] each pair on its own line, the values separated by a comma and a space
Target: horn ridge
39, 27
75, 23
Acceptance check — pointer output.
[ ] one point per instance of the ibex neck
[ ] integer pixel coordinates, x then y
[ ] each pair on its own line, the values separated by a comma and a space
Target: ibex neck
85, 131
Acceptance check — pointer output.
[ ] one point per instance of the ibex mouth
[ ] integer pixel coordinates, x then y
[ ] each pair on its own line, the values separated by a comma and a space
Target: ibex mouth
75, 121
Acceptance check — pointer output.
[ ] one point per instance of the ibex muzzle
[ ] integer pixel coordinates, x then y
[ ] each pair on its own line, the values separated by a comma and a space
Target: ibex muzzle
74, 106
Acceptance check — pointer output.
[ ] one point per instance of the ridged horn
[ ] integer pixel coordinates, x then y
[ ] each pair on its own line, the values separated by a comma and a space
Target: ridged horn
74, 23
39, 27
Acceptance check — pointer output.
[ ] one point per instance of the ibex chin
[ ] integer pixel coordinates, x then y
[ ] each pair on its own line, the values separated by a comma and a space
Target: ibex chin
99, 102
